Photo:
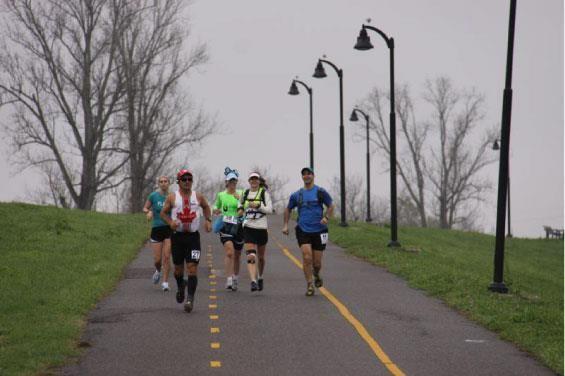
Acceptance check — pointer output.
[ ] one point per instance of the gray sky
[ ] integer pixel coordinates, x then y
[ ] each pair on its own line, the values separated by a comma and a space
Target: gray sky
258, 46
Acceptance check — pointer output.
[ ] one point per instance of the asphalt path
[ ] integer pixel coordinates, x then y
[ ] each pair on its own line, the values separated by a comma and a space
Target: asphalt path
365, 321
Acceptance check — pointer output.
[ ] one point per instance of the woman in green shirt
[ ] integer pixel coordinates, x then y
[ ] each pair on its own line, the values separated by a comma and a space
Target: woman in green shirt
231, 237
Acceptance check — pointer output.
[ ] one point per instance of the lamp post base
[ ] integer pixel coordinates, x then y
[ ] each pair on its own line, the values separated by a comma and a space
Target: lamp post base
369, 220
393, 244
499, 287
343, 224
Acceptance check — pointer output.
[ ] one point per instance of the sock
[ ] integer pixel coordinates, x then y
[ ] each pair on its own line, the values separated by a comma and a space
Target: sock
180, 281
192, 283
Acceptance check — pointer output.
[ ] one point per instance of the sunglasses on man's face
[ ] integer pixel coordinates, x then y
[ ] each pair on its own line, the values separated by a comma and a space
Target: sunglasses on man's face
186, 178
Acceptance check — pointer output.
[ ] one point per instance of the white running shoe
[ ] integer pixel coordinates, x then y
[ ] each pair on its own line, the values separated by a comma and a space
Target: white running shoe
165, 286
156, 277
229, 283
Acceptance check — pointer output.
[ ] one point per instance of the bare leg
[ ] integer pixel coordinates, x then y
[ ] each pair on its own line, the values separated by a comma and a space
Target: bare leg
317, 261
236, 261
166, 259
261, 251
307, 261
229, 259
251, 261
157, 253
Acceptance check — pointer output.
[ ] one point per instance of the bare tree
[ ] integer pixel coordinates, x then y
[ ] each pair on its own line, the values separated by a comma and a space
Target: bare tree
411, 143
51, 190
159, 118
58, 70
454, 167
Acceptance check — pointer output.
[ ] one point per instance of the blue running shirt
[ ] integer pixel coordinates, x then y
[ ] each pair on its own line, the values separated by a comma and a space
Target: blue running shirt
311, 212
157, 201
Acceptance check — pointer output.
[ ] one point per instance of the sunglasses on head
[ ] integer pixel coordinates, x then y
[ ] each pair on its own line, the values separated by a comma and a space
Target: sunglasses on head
186, 178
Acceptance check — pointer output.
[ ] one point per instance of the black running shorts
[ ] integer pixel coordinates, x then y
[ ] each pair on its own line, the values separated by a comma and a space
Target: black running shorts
160, 233
317, 240
255, 236
227, 235
185, 247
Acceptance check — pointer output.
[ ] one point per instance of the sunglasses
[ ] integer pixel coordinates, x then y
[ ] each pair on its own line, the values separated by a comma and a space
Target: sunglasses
186, 178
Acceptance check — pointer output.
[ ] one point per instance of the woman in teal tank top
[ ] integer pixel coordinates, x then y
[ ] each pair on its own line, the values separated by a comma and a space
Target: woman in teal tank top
226, 205
160, 232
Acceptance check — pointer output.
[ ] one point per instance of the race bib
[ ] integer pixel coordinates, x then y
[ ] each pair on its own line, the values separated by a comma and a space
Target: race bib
230, 219
195, 255
324, 237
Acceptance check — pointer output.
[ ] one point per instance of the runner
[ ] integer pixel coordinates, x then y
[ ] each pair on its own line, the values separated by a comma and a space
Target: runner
311, 229
184, 220
230, 235
160, 232
255, 203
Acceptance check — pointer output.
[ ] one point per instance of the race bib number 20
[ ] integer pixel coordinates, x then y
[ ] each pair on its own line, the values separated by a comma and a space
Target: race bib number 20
195, 255
324, 237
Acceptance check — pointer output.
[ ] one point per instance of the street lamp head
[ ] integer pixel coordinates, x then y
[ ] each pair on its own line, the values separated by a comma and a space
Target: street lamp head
495, 146
293, 89
319, 72
363, 41
353, 116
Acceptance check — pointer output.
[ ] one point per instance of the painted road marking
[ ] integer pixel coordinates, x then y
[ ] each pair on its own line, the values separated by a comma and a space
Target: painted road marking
213, 297
214, 330
373, 344
475, 340
214, 317
211, 276
213, 283
215, 345
215, 364
212, 306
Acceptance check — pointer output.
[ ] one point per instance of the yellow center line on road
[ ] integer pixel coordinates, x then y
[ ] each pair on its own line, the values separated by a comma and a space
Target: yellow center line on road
373, 344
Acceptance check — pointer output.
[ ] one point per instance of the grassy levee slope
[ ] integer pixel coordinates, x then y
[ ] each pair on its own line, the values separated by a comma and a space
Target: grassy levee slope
457, 267
55, 264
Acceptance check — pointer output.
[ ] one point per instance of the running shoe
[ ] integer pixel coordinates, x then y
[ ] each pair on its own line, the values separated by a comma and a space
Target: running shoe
165, 286
254, 286
180, 293
234, 285
310, 290
189, 304
260, 284
229, 283
318, 281
156, 277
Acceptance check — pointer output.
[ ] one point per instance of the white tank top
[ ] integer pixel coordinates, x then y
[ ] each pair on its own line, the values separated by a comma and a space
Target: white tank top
186, 214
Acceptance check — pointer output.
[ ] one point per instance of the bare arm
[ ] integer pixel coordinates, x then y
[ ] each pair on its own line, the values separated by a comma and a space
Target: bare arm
285, 223
147, 210
207, 211
167, 209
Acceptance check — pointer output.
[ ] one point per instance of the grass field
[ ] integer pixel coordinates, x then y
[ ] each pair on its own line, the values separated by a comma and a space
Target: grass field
457, 267
55, 264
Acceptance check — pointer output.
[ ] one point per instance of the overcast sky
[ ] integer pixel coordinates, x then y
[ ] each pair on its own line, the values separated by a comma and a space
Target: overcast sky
258, 46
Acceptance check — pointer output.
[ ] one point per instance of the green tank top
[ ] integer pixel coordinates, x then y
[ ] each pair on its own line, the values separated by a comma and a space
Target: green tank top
227, 203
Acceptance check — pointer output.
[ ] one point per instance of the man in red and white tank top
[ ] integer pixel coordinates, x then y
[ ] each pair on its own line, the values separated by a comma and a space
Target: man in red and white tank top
181, 212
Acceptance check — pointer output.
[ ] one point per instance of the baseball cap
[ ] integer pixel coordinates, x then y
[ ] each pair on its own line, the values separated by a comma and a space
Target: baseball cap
183, 172
307, 169
254, 175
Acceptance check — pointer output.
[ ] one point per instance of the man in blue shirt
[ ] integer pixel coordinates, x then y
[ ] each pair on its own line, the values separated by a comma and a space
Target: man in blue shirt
311, 229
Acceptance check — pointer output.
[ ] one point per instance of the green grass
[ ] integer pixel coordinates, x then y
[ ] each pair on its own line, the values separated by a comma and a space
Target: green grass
457, 267
55, 264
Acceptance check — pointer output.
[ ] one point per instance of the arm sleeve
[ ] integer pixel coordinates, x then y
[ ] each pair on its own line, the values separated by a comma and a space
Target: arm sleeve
218, 202
327, 198
268, 206
291, 202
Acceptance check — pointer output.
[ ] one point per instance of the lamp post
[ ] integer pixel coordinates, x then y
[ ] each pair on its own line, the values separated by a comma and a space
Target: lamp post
363, 44
294, 91
354, 117
498, 284
320, 72
496, 146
